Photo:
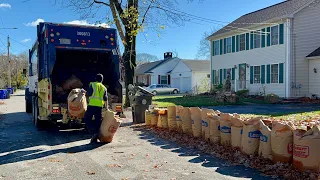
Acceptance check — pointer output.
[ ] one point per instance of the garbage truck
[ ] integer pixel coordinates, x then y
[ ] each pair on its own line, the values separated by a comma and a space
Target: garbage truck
65, 57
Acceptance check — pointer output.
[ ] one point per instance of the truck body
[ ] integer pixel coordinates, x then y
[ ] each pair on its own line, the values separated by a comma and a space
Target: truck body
65, 53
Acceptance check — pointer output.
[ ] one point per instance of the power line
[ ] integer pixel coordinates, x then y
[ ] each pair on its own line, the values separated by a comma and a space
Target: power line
15, 40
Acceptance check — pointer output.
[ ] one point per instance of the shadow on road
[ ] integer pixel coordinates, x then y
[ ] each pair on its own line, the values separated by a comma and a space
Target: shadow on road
206, 160
20, 141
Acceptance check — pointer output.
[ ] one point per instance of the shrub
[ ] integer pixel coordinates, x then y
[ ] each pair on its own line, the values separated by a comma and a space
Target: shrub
243, 93
272, 98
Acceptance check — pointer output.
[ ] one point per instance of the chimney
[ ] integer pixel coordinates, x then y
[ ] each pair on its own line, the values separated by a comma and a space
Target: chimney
167, 55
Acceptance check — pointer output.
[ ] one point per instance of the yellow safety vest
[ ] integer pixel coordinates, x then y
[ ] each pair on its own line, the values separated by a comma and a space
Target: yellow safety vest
96, 99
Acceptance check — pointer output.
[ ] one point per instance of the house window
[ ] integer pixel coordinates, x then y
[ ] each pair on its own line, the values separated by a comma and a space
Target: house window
256, 74
242, 42
275, 73
257, 38
217, 77
229, 45
274, 35
216, 47
164, 80
229, 73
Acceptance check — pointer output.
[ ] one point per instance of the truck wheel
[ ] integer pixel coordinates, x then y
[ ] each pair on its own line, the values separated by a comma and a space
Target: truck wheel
154, 93
28, 107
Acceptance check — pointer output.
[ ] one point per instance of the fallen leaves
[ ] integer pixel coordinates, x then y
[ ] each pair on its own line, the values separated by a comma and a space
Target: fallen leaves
91, 173
54, 160
233, 156
115, 165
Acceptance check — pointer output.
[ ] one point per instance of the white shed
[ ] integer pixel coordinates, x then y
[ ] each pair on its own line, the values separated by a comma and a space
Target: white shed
191, 76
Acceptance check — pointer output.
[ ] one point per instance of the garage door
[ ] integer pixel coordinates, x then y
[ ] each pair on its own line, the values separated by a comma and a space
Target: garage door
175, 83
186, 85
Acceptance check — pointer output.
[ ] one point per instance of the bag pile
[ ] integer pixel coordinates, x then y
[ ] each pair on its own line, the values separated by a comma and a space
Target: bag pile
279, 141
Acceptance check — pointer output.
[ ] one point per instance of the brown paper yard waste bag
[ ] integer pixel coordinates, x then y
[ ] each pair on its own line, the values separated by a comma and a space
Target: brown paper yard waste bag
178, 118
265, 141
306, 149
205, 123
281, 142
225, 129
154, 118
225, 132
109, 127
77, 103
250, 139
186, 120
172, 123
148, 118
196, 121
236, 131
214, 127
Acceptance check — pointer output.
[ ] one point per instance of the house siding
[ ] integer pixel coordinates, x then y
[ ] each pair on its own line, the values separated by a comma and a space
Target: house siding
274, 54
306, 38
162, 70
199, 80
178, 73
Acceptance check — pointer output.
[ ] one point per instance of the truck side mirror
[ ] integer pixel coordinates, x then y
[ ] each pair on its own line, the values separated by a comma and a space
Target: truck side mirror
24, 72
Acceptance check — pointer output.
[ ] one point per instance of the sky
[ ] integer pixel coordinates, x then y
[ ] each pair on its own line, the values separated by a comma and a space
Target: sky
25, 14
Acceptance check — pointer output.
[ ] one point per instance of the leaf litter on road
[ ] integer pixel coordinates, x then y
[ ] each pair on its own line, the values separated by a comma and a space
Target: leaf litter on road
91, 173
115, 165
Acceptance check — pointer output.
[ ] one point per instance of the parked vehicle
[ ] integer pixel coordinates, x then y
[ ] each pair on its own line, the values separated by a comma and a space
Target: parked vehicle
162, 89
63, 51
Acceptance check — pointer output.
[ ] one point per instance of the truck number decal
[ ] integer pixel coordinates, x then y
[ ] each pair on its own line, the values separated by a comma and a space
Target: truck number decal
83, 33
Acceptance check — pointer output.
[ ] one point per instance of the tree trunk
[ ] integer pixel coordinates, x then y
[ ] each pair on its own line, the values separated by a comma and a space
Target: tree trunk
129, 55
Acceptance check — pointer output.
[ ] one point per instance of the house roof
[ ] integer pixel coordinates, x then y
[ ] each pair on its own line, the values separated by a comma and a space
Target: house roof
276, 11
197, 65
315, 53
143, 68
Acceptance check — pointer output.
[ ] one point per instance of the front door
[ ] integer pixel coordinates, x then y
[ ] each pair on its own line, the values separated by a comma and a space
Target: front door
242, 76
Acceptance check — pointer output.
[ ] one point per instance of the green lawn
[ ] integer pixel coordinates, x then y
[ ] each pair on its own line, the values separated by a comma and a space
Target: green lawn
196, 101
293, 116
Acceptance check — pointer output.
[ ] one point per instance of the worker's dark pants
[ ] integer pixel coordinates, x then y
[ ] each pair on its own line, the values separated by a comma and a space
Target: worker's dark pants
93, 125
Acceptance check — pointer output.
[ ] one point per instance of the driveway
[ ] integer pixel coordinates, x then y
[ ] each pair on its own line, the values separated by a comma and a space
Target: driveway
268, 109
55, 153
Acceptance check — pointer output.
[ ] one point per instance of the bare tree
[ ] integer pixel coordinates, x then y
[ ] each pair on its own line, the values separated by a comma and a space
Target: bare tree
131, 17
204, 46
145, 58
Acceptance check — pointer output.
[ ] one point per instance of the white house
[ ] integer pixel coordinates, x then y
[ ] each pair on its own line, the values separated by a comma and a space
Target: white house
270, 50
191, 76
186, 75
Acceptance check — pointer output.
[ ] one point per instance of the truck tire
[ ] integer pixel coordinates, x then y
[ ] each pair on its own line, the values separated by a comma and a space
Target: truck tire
28, 107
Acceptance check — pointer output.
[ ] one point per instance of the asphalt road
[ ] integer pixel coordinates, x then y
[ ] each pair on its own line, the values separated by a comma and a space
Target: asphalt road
26, 153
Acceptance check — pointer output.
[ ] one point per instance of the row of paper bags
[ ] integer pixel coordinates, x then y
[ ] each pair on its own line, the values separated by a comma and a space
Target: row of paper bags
278, 141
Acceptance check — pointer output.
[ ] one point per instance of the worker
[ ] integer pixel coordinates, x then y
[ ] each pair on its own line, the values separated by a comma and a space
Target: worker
97, 95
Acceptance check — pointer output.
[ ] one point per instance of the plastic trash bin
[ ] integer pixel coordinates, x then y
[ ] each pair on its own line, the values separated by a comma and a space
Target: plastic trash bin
3, 94
10, 90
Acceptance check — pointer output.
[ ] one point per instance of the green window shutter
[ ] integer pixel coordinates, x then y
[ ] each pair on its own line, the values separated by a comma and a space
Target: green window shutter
263, 38
221, 47
268, 73
247, 41
213, 76
225, 46
213, 48
281, 72
233, 73
237, 43
268, 36
263, 74
220, 76
224, 73
233, 43
281, 34
251, 74
251, 40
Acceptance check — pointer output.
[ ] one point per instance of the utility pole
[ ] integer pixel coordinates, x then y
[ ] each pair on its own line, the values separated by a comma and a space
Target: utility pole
9, 67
